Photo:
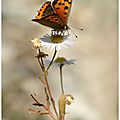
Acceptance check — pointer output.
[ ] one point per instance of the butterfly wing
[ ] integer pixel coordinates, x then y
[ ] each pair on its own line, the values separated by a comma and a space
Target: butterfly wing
62, 8
53, 21
45, 10
46, 16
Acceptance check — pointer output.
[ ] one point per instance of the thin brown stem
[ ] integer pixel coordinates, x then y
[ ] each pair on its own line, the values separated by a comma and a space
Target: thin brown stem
41, 105
47, 98
41, 62
52, 59
50, 94
35, 99
41, 58
37, 112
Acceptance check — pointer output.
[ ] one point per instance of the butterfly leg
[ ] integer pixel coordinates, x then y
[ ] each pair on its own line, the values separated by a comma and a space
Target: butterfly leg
68, 32
52, 32
63, 32
57, 32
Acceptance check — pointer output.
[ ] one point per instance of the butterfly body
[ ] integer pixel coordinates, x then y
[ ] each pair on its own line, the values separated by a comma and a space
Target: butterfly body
54, 14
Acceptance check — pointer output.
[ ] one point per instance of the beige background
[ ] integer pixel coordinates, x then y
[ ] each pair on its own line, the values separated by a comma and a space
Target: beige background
92, 81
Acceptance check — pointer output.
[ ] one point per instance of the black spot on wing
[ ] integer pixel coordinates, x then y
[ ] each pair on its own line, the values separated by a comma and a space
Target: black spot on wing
48, 9
59, 3
65, 13
38, 13
58, 8
66, 7
68, 1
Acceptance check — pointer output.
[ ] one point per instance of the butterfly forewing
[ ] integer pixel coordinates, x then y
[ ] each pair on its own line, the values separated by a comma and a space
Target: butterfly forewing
46, 16
45, 10
62, 8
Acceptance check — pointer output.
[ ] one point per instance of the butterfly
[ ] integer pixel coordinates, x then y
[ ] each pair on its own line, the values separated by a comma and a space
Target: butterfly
54, 14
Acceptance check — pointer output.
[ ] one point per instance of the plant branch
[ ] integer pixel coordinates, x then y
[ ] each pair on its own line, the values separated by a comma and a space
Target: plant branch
40, 58
52, 59
50, 94
41, 105
47, 98
61, 80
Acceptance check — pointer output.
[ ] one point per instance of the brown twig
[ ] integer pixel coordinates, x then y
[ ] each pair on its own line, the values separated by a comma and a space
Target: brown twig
39, 62
35, 99
50, 94
41, 105
45, 77
42, 80
40, 58
47, 98
52, 59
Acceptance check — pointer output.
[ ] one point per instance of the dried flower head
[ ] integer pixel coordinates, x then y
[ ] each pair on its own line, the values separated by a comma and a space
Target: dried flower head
57, 41
69, 99
63, 61
36, 43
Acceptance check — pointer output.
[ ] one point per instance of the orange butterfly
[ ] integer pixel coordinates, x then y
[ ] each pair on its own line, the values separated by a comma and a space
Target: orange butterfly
54, 14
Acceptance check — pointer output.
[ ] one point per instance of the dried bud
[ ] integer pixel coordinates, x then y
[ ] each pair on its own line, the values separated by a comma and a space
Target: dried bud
69, 99
36, 43
62, 106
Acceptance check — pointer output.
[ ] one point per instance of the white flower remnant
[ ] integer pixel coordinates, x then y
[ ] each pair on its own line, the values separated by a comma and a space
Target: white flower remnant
56, 41
36, 43
63, 61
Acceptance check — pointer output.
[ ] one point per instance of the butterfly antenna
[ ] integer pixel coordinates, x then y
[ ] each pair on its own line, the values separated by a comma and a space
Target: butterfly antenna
74, 33
76, 27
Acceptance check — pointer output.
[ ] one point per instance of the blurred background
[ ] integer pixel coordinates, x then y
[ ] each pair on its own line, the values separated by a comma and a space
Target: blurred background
92, 81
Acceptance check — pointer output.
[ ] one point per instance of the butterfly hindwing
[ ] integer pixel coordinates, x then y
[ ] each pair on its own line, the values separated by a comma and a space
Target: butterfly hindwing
53, 21
62, 8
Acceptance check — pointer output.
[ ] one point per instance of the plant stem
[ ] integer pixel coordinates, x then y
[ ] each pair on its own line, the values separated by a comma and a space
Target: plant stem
61, 80
50, 94
39, 59
47, 97
41, 105
52, 59
41, 63
47, 84
45, 76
